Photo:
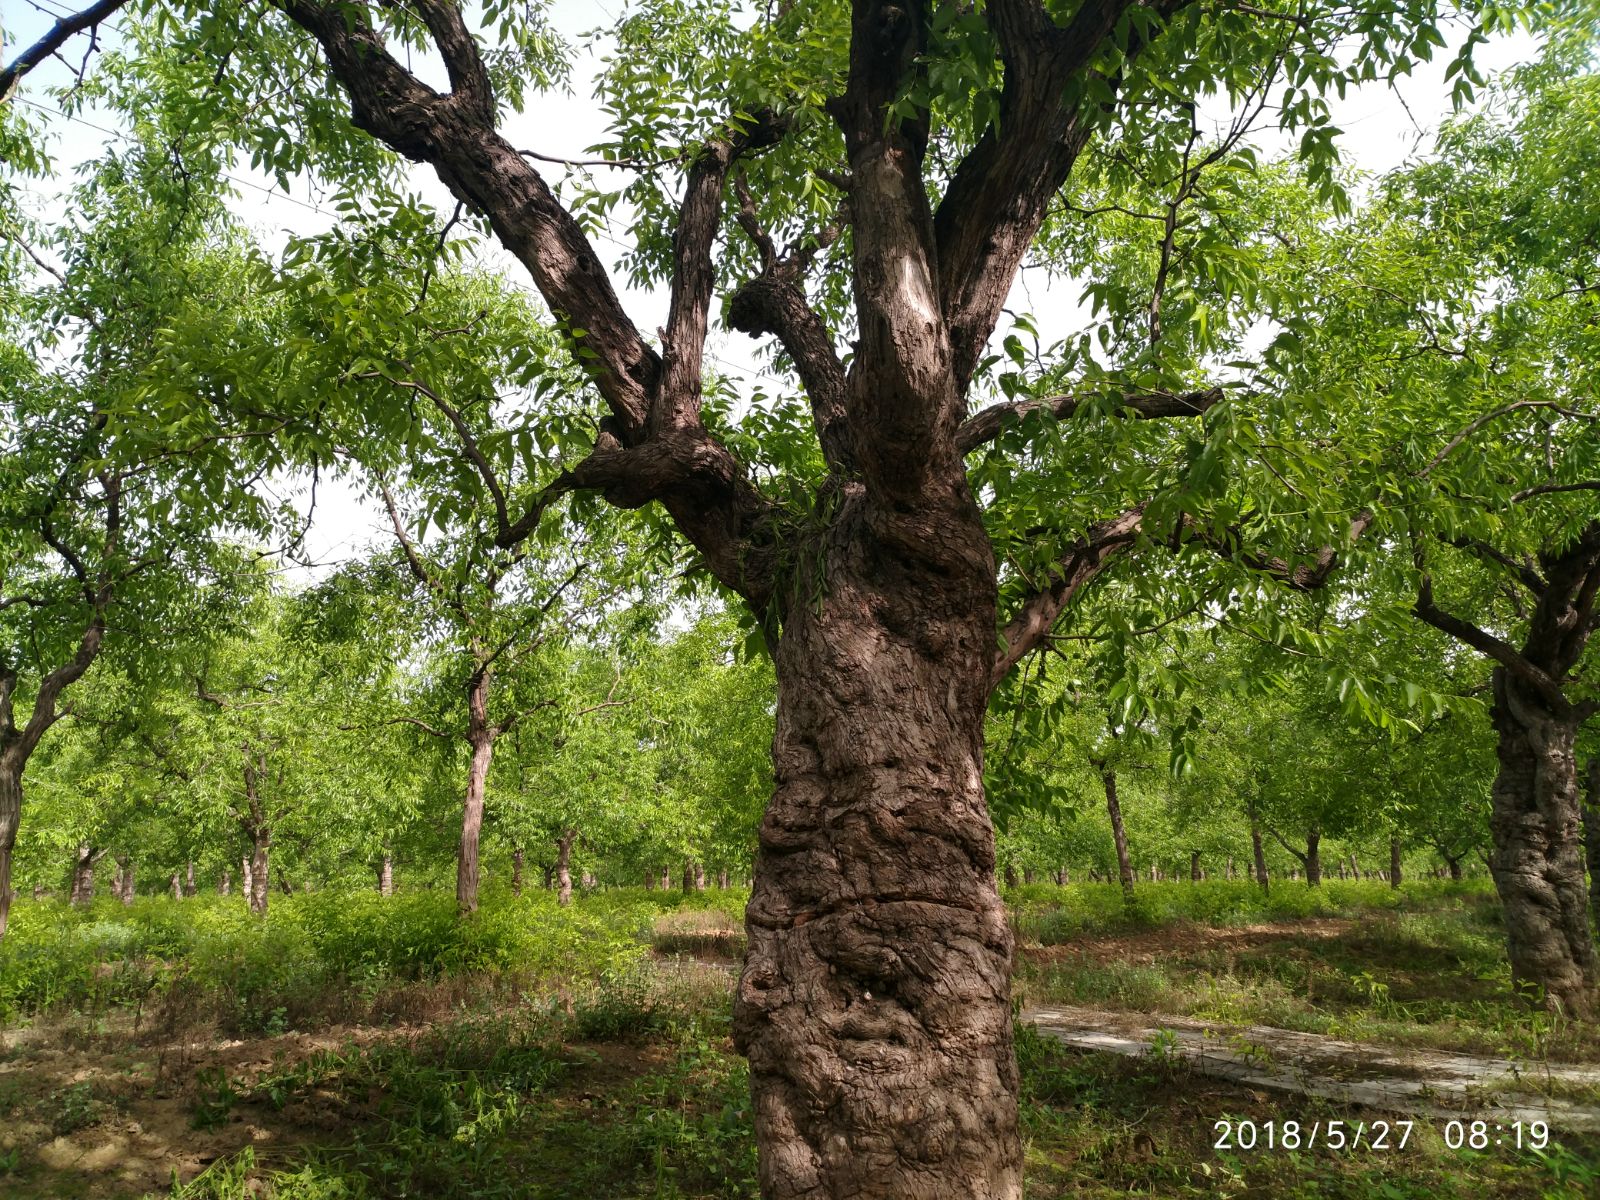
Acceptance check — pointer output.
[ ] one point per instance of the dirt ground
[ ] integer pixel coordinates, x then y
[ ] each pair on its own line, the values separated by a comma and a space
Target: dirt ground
107, 1115
1167, 941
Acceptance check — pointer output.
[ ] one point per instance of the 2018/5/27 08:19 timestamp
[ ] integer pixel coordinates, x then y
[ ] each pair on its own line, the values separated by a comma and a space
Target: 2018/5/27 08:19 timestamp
1336, 1135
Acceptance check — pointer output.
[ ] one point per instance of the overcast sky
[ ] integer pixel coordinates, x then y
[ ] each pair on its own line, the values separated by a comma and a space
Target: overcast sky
1382, 128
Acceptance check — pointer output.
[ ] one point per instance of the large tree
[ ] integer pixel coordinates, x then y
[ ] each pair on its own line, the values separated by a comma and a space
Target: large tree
1456, 317
910, 154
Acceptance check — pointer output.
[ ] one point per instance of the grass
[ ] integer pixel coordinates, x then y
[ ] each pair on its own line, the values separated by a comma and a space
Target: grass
1434, 976
585, 1053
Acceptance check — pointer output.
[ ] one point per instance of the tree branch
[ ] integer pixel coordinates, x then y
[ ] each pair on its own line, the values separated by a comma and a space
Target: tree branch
1487, 644
57, 36
1082, 562
774, 303
711, 500
986, 424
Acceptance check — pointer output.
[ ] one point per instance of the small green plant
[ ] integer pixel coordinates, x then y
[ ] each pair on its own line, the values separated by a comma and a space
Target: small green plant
1165, 1047
215, 1097
73, 1108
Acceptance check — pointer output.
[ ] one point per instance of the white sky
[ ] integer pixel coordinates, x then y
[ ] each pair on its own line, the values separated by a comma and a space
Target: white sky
1380, 132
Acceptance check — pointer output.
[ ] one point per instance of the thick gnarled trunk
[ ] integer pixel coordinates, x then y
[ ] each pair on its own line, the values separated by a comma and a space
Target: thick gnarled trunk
874, 1005
1591, 836
1537, 861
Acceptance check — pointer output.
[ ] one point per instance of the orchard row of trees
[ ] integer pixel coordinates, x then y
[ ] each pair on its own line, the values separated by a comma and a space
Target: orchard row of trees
282, 742
1324, 452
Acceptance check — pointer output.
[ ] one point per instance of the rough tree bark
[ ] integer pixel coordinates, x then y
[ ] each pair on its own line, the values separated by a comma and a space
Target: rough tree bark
874, 1005
386, 875
517, 859
1394, 862
190, 888
480, 740
1537, 861
81, 891
1591, 836
564, 867
122, 884
1194, 866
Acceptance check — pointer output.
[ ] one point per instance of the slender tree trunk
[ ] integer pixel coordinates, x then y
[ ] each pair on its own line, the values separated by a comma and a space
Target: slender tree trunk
225, 884
1313, 858
82, 889
480, 736
516, 871
564, 867
1455, 867
1355, 867
1339, 862
189, 886
688, 877
247, 881
649, 880
1194, 866
1010, 876
699, 877
1228, 872
386, 875
722, 879
1394, 862
666, 879
10, 816
283, 883
1537, 861
874, 1005
176, 883
125, 875
256, 870
1119, 835
1259, 852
